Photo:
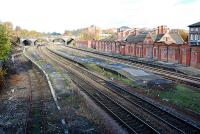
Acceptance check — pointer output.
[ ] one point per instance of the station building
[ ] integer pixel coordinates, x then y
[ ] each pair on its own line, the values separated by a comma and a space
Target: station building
162, 44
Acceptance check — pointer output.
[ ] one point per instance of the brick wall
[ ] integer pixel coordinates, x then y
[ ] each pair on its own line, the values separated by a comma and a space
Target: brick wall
147, 51
84, 44
185, 55
173, 53
195, 57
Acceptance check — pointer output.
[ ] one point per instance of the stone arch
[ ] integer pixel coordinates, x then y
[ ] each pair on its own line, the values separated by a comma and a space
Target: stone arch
40, 41
59, 40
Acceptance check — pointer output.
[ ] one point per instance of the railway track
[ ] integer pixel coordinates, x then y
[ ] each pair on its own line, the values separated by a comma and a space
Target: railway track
127, 119
50, 117
173, 121
35, 118
172, 75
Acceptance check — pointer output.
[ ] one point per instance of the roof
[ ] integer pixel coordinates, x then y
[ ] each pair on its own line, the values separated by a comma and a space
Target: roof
183, 33
156, 37
177, 38
195, 25
174, 38
136, 39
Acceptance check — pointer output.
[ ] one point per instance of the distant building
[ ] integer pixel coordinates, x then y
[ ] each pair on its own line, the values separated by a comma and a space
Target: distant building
104, 35
122, 32
123, 28
194, 34
110, 30
93, 29
108, 33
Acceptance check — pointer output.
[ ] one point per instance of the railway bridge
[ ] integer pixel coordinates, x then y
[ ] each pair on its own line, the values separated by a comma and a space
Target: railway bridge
42, 40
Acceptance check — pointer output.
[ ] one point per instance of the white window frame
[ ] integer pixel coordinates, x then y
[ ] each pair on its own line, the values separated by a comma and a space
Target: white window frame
196, 29
191, 37
196, 37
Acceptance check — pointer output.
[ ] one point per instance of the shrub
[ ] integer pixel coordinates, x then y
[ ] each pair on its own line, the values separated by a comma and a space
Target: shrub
5, 44
2, 79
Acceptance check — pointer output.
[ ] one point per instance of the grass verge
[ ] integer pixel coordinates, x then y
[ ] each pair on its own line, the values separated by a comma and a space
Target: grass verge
108, 74
183, 96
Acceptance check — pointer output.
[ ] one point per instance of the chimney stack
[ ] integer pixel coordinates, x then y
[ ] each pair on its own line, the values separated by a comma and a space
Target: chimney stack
162, 29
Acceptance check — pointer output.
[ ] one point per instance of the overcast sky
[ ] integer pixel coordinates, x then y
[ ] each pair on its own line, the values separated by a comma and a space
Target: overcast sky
58, 15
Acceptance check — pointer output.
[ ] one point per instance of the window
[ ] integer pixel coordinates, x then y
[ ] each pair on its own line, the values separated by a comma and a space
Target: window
192, 29
196, 37
196, 29
191, 37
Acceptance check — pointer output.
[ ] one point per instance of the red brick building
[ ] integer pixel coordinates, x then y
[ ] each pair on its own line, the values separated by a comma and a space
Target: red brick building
129, 49
84, 44
195, 57
185, 52
135, 42
122, 48
161, 45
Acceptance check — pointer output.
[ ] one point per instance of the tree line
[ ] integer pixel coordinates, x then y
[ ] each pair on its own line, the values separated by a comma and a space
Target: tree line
5, 46
9, 37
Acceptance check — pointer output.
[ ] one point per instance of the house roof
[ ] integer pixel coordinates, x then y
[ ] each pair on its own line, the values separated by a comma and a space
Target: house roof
156, 37
177, 38
136, 39
183, 33
195, 25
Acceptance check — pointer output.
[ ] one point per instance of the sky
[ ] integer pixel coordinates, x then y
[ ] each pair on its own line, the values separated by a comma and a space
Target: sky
60, 15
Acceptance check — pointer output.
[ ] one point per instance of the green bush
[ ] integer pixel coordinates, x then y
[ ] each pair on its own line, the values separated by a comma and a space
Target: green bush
5, 43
